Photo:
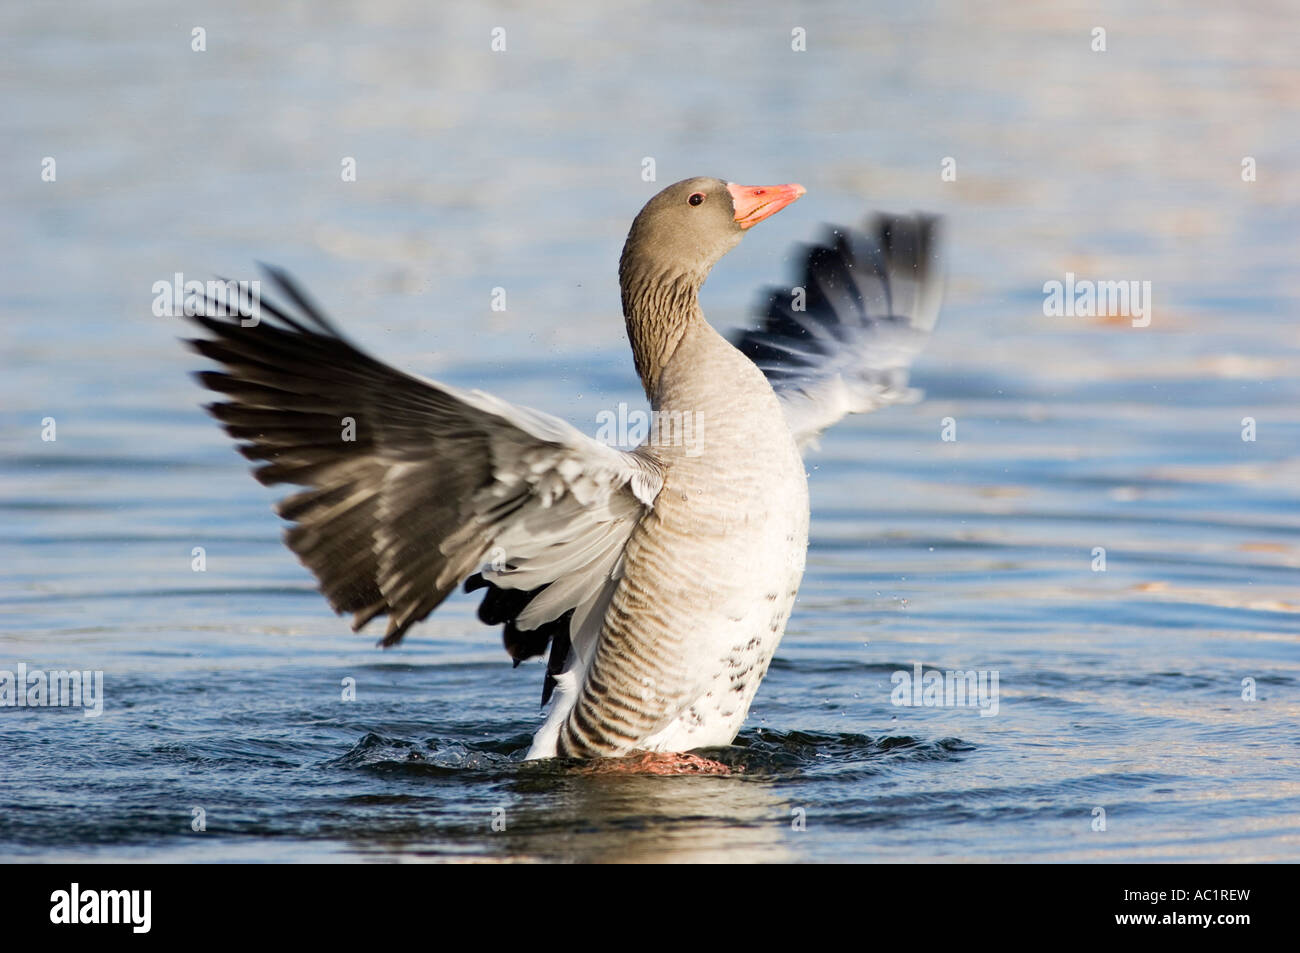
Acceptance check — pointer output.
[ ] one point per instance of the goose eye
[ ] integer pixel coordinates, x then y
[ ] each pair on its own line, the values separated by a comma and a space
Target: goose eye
696, 198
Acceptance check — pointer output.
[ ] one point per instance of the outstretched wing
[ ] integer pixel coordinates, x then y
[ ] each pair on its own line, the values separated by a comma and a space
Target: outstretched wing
413, 485
843, 344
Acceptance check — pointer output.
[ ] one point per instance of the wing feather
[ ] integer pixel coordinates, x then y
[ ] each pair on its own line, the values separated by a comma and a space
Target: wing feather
870, 298
412, 485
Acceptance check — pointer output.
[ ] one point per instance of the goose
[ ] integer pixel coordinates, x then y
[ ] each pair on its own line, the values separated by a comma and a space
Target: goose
657, 581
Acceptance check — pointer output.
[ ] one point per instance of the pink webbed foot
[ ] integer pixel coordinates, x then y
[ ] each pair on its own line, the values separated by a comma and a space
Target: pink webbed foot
667, 763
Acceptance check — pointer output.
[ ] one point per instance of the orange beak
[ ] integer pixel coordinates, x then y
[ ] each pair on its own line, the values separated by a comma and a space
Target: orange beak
757, 202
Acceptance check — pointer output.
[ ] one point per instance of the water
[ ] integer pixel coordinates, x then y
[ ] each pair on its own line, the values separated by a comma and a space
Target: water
1120, 690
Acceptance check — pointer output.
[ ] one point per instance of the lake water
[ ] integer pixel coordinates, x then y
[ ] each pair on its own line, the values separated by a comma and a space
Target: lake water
1161, 694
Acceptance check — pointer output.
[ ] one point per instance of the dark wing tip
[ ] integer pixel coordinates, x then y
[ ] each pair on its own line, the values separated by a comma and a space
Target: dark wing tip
295, 292
501, 606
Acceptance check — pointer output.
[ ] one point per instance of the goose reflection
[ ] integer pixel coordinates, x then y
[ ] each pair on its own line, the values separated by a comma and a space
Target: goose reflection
592, 817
